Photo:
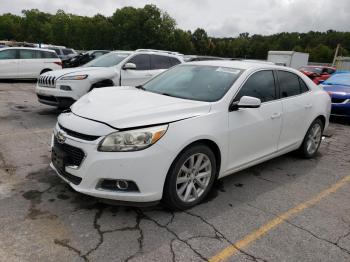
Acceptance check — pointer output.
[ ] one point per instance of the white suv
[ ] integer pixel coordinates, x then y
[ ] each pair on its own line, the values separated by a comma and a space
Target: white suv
128, 68
27, 63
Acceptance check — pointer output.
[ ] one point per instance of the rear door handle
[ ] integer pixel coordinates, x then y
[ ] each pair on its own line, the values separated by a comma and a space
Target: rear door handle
276, 115
308, 106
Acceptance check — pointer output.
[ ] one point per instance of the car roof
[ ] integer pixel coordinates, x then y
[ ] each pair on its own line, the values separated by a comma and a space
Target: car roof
28, 48
237, 64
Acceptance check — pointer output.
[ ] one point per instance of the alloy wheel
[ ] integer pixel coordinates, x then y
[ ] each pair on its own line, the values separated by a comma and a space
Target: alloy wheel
193, 177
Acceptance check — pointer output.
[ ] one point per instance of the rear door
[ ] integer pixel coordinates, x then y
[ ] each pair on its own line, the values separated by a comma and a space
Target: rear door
139, 75
30, 63
8, 63
297, 104
254, 132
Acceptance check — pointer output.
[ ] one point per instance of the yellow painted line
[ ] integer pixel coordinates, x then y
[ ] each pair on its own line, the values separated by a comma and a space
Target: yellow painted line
244, 242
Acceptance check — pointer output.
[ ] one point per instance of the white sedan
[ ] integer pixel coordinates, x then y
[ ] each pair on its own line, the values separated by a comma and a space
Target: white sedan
172, 137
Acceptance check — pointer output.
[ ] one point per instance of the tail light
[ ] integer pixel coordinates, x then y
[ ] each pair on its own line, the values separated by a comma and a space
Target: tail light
59, 63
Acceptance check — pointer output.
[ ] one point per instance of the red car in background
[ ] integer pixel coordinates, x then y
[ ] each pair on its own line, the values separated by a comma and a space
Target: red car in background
318, 73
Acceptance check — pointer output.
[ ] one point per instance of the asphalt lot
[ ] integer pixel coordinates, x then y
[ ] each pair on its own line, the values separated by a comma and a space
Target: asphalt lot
287, 209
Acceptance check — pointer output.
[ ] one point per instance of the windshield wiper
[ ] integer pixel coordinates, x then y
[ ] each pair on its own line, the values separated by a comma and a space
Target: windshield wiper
140, 87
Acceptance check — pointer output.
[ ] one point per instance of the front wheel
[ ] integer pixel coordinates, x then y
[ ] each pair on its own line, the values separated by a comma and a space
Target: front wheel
190, 177
312, 140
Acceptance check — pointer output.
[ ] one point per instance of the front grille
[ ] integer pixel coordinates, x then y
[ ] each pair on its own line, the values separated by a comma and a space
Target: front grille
47, 81
78, 135
338, 100
74, 155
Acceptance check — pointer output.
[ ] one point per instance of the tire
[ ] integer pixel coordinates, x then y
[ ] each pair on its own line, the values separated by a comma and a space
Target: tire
197, 181
312, 140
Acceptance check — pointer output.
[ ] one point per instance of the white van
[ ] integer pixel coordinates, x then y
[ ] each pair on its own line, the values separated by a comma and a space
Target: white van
27, 63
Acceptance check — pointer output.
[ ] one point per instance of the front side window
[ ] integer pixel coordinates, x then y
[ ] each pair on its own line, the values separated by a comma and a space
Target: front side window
160, 62
194, 82
107, 60
8, 54
260, 85
142, 62
289, 84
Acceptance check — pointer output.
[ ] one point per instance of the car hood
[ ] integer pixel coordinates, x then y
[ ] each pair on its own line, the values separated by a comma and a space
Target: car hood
77, 70
337, 89
126, 107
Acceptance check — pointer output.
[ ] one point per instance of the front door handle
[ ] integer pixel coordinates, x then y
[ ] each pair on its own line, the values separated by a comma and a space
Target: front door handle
308, 106
276, 115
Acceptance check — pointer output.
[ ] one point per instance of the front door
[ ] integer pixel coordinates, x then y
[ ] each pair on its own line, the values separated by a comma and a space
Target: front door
254, 132
139, 75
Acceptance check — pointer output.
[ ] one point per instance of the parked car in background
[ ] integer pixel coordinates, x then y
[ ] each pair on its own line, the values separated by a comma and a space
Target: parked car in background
63, 52
318, 74
338, 87
129, 68
27, 63
191, 58
199, 121
82, 59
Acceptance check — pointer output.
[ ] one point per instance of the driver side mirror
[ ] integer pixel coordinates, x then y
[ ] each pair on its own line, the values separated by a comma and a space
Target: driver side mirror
245, 102
129, 66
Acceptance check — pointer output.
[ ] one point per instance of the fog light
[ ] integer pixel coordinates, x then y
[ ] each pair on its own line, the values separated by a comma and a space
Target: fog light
122, 184
118, 185
66, 88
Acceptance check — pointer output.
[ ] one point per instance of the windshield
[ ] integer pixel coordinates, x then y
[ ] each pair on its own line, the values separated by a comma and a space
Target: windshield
195, 82
311, 69
107, 60
339, 79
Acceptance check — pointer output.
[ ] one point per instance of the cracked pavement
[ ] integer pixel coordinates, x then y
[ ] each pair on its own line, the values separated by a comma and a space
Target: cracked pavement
43, 219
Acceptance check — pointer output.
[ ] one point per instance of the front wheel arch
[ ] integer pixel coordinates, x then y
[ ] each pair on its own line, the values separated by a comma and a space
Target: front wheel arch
102, 83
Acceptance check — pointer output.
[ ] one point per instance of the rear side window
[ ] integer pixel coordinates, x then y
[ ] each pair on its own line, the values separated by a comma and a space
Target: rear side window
47, 54
27, 54
56, 50
260, 85
303, 86
160, 62
8, 54
67, 51
142, 62
289, 84
174, 61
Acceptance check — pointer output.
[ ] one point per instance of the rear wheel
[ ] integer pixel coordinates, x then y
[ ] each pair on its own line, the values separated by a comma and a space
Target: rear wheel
312, 140
190, 178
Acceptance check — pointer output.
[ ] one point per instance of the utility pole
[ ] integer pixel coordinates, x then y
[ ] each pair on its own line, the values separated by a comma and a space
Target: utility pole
336, 54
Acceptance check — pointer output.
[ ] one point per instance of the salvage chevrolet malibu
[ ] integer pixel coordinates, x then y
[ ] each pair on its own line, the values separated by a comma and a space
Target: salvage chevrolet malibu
171, 138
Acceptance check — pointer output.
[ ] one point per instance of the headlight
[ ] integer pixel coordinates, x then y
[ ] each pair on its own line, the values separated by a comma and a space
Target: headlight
132, 140
75, 77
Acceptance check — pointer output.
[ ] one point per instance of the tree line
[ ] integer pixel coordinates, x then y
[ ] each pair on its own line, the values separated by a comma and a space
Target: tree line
149, 27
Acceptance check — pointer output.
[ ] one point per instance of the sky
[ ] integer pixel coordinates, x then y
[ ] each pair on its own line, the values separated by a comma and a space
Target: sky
220, 18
